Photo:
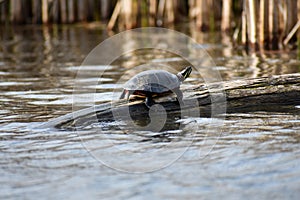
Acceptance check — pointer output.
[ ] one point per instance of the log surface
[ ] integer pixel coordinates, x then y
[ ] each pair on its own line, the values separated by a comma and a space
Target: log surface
256, 94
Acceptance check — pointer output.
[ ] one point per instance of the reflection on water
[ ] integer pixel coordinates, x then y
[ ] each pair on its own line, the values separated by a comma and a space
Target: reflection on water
255, 153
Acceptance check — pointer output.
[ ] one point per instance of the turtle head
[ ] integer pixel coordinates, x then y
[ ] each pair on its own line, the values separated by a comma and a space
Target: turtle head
184, 73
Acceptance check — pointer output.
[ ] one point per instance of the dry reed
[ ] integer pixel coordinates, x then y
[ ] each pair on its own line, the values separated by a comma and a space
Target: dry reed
263, 24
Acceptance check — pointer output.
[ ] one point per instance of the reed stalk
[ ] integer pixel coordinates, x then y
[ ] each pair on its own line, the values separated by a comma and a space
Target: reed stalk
261, 23
126, 10
199, 14
291, 15
226, 15
291, 33
244, 25
82, 10
64, 11
206, 7
90, 12
152, 12
160, 12
4, 9
272, 24
298, 18
251, 22
276, 30
16, 11
114, 16
36, 12
55, 12
169, 12
192, 9
106, 6
71, 11
45, 16
291, 22
271, 12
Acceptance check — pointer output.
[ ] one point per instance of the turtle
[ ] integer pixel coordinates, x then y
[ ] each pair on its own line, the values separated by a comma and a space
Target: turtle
155, 83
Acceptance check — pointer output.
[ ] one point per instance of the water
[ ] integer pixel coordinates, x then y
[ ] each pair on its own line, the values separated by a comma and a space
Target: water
245, 156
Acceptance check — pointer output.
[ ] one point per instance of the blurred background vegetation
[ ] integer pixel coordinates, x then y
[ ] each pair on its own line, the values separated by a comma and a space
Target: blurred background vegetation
257, 24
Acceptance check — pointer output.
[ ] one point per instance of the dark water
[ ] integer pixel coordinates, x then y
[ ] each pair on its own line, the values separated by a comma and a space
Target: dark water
243, 156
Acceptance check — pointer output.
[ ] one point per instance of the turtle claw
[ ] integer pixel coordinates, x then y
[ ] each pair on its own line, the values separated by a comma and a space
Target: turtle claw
184, 104
149, 102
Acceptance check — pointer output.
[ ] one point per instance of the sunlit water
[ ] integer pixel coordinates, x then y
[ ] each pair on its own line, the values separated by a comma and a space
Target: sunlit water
246, 156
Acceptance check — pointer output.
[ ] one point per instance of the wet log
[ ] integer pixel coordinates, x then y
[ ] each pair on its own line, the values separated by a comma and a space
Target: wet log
240, 96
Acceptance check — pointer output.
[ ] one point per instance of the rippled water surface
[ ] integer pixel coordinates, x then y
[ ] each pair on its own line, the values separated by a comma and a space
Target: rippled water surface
250, 155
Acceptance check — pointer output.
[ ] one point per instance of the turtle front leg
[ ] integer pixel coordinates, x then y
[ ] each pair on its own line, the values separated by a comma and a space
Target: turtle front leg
149, 101
179, 95
125, 94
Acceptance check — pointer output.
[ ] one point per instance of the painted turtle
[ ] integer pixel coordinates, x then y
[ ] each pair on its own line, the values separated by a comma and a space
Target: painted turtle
155, 82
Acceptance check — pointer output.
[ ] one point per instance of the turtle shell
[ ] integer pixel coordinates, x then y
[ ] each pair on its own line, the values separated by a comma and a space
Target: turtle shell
152, 81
